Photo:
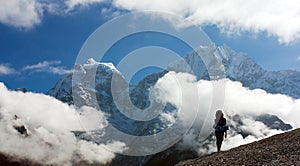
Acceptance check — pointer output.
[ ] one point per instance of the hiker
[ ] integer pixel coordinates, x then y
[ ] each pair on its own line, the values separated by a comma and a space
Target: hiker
220, 128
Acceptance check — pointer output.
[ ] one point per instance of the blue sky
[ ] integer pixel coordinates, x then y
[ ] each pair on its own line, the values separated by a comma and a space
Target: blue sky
38, 47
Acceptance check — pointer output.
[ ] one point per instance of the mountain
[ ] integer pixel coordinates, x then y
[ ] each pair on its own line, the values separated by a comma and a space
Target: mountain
101, 97
281, 149
96, 92
238, 67
273, 122
93, 88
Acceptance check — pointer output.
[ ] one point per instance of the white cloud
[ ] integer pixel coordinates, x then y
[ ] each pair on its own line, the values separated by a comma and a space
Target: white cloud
47, 66
279, 18
6, 70
238, 99
59, 70
41, 65
71, 4
20, 13
50, 124
298, 58
110, 12
28, 13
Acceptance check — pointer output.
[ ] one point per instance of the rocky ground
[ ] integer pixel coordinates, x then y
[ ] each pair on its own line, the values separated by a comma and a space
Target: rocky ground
6, 160
281, 149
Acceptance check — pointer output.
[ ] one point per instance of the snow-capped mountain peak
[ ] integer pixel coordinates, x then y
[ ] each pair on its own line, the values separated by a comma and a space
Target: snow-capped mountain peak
91, 69
91, 63
215, 62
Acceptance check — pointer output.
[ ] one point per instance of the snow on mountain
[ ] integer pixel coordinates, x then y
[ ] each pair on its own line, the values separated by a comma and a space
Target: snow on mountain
63, 88
240, 67
93, 88
284, 82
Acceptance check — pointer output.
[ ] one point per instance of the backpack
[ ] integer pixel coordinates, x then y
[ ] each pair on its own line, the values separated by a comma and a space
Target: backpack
222, 128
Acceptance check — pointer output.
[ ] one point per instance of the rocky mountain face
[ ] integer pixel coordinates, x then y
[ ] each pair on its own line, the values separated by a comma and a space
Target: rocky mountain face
281, 149
273, 122
97, 93
238, 67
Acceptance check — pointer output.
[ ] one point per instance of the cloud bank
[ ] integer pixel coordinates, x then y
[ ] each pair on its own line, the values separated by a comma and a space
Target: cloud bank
49, 125
275, 17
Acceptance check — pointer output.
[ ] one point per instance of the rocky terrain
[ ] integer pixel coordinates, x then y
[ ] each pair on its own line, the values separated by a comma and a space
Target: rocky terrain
281, 149
11, 161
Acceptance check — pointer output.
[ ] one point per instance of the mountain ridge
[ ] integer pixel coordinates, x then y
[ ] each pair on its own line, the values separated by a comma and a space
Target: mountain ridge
241, 67
237, 67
